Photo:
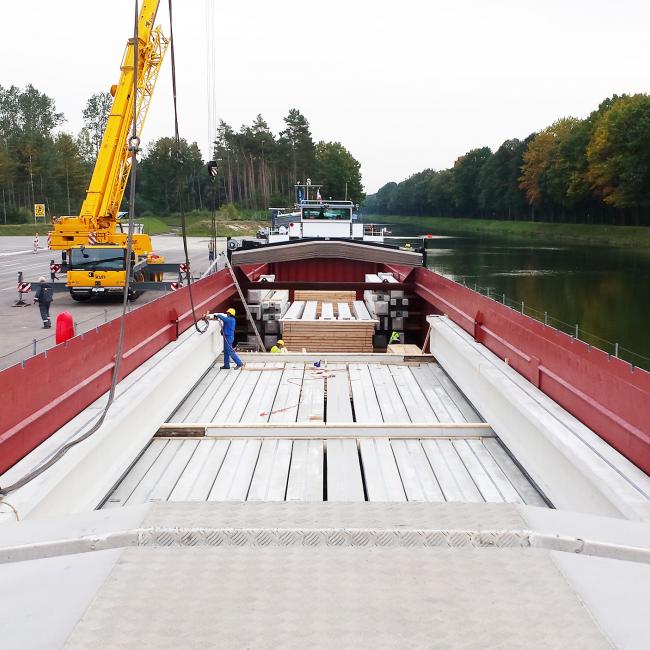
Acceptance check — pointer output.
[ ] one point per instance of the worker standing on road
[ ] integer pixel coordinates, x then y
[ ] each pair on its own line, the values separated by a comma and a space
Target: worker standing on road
211, 251
228, 323
36, 243
43, 297
278, 348
54, 269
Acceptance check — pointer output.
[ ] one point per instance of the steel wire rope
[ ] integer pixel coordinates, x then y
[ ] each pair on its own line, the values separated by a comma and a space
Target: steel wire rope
177, 140
134, 143
211, 103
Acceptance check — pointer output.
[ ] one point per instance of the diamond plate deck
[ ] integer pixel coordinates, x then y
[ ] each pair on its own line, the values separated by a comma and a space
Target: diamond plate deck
335, 598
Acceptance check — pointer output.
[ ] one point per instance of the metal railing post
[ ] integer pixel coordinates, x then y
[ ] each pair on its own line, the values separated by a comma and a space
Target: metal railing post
522, 306
504, 299
577, 331
34, 344
616, 350
545, 318
106, 315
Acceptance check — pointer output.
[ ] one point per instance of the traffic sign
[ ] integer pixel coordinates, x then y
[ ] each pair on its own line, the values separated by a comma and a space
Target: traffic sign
39, 209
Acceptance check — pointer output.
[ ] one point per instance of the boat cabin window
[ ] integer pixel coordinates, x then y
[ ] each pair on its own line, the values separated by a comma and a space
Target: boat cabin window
327, 213
104, 259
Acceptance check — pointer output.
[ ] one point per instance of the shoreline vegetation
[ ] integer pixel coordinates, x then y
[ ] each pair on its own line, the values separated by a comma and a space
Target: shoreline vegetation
567, 233
198, 225
591, 171
41, 163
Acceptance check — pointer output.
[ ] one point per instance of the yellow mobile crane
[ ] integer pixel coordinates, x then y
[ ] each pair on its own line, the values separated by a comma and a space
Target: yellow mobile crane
93, 244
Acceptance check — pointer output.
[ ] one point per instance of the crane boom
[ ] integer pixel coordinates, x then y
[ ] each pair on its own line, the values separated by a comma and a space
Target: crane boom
98, 218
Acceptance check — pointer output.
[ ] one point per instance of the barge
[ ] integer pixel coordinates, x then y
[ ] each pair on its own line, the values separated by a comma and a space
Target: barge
482, 482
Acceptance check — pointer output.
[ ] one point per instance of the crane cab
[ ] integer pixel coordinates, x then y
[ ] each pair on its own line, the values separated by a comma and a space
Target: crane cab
96, 270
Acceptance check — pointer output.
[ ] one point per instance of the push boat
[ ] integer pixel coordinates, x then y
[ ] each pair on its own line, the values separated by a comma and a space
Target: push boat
313, 217
479, 480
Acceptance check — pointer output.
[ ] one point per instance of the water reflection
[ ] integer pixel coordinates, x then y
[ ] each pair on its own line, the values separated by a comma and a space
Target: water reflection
603, 290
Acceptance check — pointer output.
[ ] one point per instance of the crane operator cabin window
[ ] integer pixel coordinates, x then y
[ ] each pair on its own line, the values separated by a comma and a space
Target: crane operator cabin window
326, 213
92, 259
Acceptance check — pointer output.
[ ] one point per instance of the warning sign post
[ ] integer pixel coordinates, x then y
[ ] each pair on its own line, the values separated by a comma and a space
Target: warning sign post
39, 211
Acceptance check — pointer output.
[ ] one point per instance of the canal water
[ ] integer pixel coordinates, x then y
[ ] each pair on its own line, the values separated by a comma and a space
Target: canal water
604, 291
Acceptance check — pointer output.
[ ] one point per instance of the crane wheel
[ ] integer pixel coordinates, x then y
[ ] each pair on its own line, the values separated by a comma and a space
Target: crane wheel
80, 297
133, 294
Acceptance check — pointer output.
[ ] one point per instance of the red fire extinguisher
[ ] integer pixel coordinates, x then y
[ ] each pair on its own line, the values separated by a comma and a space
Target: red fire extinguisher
64, 327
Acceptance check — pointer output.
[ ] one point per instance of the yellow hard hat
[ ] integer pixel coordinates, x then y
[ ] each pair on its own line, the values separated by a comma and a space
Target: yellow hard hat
280, 342
231, 311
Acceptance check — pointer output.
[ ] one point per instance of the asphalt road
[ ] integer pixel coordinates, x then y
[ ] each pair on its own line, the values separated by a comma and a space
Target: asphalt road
19, 326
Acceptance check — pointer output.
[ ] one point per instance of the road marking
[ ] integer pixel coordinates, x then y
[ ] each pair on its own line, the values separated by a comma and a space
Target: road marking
14, 253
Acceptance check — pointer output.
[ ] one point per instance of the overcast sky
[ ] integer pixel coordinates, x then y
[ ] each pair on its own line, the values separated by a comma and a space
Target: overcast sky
403, 84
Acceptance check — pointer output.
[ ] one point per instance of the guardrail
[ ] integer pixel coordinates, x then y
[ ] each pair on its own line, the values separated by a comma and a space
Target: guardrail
572, 329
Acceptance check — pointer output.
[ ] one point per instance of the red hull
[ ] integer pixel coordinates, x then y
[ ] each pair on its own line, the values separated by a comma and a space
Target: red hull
605, 393
53, 387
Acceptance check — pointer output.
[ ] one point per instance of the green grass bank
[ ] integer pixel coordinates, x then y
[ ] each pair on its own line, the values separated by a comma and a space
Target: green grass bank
198, 225
569, 233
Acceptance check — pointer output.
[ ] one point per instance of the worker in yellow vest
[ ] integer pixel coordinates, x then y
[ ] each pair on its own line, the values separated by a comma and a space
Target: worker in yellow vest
278, 347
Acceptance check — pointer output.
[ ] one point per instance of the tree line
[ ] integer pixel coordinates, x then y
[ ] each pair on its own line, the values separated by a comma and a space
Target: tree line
593, 170
41, 163
260, 169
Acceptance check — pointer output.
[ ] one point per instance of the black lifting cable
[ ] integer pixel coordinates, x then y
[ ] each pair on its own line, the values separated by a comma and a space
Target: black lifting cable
134, 148
179, 164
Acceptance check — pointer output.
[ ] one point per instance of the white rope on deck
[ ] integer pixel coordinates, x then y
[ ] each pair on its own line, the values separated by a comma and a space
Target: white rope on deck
157, 537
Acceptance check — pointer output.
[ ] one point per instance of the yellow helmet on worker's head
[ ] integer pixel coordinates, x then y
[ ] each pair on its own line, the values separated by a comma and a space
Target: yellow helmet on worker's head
280, 342
231, 311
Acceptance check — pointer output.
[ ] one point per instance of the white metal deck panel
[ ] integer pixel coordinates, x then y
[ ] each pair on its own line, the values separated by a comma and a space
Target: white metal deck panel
258, 595
334, 469
356, 392
264, 574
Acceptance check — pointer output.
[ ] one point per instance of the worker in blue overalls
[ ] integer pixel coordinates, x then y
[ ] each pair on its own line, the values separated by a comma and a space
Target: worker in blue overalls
228, 323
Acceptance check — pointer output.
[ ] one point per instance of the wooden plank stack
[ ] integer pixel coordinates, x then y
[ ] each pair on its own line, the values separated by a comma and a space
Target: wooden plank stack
328, 335
325, 296
324, 331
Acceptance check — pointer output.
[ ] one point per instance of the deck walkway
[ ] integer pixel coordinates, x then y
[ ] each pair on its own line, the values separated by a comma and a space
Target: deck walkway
371, 464
295, 392
374, 469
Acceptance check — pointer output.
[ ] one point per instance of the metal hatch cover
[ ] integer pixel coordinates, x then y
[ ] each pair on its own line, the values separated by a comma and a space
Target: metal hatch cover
324, 597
